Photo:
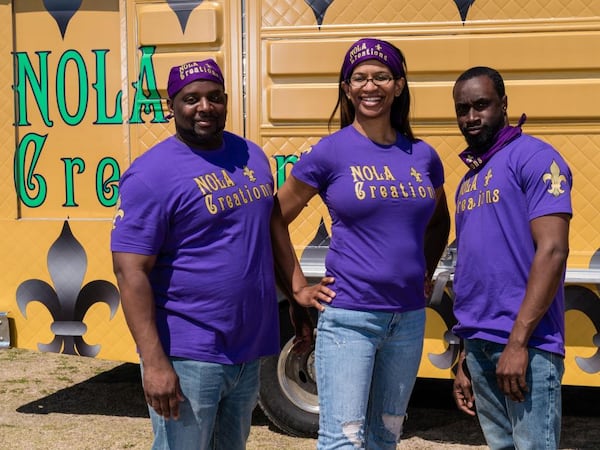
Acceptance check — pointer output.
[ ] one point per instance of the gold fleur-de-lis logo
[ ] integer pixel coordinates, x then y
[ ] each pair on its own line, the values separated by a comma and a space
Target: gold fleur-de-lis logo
556, 180
416, 175
119, 214
249, 173
488, 177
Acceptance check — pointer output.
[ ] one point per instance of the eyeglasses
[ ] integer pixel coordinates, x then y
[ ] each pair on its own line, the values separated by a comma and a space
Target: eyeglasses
379, 79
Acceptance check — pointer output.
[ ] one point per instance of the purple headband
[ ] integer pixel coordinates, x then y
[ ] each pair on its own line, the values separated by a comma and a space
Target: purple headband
181, 76
376, 49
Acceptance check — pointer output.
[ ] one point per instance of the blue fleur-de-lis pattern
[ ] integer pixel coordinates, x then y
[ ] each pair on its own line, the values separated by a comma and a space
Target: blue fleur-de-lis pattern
463, 7
183, 9
319, 8
62, 11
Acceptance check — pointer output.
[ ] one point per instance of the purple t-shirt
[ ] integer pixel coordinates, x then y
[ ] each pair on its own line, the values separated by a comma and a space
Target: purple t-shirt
494, 206
206, 215
380, 199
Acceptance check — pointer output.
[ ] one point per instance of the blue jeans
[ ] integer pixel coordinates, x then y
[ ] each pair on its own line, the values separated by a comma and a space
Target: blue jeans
366, 364
217, 411
506, 424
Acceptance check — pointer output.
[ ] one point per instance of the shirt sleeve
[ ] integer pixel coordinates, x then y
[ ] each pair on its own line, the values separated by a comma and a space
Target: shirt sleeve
315, 166
547, 181
436, 169
140, 222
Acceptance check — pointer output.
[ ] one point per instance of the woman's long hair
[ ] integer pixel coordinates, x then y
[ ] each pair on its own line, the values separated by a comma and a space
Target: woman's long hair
398, 115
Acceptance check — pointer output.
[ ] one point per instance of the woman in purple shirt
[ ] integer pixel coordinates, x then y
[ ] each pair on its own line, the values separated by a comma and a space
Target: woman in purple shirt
384, 192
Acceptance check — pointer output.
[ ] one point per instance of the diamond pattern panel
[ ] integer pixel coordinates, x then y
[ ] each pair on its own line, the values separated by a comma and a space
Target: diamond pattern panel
172, 48
537, 9
578, 147
298, 13
581, 152
305, 227
277, 13
7, 139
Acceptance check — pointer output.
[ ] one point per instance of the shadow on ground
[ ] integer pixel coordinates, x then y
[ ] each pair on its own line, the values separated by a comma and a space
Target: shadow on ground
116, 392
431, 414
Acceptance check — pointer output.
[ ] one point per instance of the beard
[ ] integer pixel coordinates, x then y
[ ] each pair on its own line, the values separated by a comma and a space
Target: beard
482, 141
201, 138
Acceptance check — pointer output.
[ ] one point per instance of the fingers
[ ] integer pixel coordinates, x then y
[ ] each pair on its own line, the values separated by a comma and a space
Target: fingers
463, 397
514, 387
166, 406
324, 293
314, 296
318, 306
327, 280
160, 405
174, 402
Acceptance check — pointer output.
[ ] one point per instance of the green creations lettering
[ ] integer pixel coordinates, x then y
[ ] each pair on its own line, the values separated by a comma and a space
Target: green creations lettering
281, 163
32, 86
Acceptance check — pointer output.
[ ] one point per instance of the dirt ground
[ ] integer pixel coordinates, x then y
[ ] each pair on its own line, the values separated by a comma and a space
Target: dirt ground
55, 402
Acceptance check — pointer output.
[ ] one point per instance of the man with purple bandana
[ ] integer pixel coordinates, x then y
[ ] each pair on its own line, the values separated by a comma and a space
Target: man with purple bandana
384, 191
192, 254
513, 209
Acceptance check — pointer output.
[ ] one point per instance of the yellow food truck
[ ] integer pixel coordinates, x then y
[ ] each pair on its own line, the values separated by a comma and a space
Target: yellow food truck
84, 83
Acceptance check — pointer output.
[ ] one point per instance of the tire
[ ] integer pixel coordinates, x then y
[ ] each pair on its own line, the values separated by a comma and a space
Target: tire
288, 389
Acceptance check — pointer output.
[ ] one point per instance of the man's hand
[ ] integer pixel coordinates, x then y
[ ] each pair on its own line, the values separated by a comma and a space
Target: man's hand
511, 370
462, 390
428, 286
304, 329
162, 390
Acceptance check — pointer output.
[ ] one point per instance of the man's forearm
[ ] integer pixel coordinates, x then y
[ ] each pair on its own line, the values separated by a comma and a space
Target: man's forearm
544, 278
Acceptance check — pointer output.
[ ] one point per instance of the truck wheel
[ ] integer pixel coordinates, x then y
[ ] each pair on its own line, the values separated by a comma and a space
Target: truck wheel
288, 388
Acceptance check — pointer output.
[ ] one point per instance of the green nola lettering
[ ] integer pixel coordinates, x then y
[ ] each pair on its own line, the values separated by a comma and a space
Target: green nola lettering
100, 86
147, 99
37, 81
25, 74
61, 87
31, 187
31, 87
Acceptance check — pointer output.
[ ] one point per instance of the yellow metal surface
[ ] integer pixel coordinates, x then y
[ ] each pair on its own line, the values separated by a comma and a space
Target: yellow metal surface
545, 50
92, 99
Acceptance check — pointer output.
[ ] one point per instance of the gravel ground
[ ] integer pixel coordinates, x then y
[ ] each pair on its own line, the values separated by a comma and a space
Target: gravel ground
55, 402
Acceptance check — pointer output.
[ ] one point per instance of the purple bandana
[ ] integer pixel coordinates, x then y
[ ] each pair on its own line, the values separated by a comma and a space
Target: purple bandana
504, 136
181, 76
368, 48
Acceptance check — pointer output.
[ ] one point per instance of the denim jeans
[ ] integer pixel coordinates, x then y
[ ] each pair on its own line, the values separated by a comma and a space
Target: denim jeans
366, 364
506, 424
217, 410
